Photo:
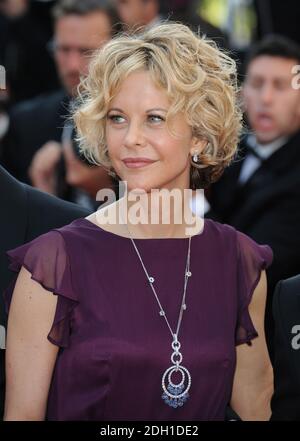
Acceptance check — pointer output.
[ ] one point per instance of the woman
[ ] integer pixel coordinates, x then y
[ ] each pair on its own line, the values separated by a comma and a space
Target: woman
146, 316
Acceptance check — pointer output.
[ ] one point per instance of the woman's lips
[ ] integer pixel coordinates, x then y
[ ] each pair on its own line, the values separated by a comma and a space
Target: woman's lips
137, 163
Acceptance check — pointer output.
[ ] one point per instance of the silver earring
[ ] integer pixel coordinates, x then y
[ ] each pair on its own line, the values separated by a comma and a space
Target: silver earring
195, 157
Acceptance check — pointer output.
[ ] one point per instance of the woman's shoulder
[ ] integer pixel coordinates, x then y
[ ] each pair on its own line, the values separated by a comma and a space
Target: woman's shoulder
242, 243
81, 228
55, 243
228, 231
99, 222
220, 228
220, 233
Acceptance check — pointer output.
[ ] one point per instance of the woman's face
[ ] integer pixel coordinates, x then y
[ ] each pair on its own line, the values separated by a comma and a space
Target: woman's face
136, 129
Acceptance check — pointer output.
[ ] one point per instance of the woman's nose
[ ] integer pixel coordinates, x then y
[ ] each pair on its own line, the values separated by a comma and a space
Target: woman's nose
134, 135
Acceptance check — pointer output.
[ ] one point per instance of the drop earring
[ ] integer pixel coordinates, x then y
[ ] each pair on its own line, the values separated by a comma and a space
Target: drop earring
195, 157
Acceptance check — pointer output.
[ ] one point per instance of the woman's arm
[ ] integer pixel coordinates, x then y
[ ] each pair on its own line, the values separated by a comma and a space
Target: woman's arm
253, 380
30, 357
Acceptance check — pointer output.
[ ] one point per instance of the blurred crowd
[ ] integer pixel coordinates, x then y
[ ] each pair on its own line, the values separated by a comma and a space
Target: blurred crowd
46, 47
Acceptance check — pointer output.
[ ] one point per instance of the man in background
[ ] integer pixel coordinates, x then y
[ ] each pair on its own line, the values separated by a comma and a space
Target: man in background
80, 27
136, 13
259, 194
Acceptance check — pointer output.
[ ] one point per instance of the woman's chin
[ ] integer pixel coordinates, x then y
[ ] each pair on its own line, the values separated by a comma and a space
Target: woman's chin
138, 189
137, 186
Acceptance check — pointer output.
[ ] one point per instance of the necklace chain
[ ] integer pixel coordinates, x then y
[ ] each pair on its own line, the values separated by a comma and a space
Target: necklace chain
175, 395
151, 280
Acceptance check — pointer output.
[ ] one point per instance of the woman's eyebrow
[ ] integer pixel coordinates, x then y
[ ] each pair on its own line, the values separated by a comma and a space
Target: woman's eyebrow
156, 108
116, 109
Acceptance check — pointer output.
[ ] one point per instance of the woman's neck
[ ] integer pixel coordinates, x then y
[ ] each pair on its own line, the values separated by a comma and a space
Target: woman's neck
159, 215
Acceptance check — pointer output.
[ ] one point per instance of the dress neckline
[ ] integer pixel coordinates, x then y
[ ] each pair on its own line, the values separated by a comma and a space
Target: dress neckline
167, 239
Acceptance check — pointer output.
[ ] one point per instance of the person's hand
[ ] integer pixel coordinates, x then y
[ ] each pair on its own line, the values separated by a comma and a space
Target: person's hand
43, 166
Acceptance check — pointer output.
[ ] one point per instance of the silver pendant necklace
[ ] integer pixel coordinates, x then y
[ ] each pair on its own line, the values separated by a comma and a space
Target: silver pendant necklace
174, 394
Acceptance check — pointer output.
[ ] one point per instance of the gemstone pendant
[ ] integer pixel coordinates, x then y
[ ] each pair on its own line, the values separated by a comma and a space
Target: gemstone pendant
175, 395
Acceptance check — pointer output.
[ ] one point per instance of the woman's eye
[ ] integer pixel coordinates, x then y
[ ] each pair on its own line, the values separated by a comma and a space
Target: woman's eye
156, 118
116, 118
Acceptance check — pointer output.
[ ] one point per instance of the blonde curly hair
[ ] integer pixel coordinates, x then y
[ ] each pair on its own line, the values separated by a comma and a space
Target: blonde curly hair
199, 79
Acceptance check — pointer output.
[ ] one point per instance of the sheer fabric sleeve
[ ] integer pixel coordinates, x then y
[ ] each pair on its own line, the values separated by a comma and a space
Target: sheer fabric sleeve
252, 260
47, 260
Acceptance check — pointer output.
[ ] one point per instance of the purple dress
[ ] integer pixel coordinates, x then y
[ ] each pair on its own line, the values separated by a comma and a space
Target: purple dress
115, 346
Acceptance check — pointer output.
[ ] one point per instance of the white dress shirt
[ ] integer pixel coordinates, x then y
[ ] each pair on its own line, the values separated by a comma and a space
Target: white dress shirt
251, 162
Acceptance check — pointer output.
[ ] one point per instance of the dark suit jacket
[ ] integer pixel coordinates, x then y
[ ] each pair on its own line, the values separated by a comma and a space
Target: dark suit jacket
286, 310
25, 214
267, 208
32, 124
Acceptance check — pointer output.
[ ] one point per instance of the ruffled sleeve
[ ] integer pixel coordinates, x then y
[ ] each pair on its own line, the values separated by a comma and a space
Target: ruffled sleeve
252, 260
47, 260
